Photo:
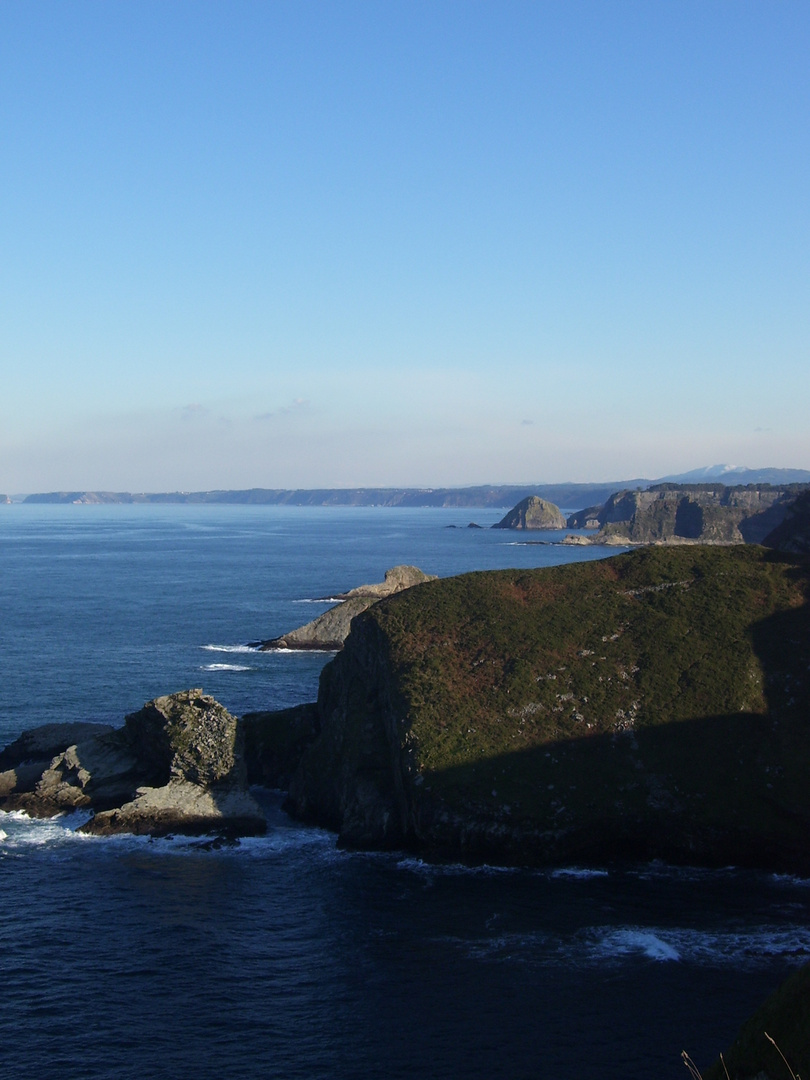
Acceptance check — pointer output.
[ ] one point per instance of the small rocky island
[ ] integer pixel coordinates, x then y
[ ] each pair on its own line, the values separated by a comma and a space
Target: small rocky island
532, 513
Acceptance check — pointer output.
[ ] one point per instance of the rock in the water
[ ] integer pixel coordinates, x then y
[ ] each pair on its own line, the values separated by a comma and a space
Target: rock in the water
176, 766
330, 630
532, 513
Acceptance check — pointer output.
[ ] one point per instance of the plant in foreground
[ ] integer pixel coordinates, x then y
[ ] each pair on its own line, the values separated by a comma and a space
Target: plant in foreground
694, 1072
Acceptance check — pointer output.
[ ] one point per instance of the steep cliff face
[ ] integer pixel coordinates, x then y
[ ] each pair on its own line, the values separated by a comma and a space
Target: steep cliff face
654, 705
681, 513
358, 775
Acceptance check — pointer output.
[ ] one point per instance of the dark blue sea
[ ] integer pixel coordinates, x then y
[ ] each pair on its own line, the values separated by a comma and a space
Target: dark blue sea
283, 957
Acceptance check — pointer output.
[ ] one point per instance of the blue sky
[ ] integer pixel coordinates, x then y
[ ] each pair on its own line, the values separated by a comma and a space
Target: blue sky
333, 244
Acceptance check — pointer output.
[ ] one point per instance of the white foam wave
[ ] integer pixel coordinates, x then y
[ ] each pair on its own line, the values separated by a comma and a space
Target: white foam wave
744, 947
319, 600
427, 869
24, 832
298, 652
230, 648
225, 667
578, 872
634, 941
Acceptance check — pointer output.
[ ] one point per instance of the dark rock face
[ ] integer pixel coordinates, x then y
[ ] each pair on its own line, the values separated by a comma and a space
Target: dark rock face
275, 742
793, 534
532, 513
653, 705
686, 513
330, 630
176, 766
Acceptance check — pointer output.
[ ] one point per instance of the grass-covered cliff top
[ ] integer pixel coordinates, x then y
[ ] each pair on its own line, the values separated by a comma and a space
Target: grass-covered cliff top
686, 666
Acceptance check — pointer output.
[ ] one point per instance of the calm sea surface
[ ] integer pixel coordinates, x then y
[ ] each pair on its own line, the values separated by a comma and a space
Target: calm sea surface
283, 957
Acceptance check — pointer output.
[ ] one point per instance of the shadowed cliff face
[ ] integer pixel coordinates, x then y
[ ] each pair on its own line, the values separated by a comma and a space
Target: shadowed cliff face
651, 705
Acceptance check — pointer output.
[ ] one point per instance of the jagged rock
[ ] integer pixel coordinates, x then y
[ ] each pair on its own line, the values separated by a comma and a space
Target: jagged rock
396, 579
532, 513
329, 631
177, 765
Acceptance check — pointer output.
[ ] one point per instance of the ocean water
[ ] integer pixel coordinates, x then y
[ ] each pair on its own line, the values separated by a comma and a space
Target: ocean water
283, 957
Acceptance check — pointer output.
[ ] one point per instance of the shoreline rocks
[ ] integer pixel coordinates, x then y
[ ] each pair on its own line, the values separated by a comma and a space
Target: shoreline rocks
177, 765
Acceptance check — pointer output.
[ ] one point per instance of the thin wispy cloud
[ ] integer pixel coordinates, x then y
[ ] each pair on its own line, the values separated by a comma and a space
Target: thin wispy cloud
284, 410
195, 409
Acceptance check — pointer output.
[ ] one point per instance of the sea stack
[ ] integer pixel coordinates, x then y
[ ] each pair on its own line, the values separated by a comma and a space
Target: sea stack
532, 513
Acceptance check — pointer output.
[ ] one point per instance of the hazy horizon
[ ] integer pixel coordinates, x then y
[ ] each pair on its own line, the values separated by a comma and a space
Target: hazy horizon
419, 244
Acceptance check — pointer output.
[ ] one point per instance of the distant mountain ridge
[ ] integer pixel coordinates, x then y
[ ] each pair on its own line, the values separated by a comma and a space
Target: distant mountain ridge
569, 495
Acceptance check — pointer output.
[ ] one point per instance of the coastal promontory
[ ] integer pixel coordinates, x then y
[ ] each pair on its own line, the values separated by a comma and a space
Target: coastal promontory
651, 705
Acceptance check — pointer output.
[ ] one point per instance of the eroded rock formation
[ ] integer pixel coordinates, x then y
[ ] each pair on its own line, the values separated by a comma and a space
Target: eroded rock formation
177, 765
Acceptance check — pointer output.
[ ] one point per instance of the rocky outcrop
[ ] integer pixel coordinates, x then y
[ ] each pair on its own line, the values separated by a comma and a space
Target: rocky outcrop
652, 705
532, 513
686, 513
177, 765
329, 631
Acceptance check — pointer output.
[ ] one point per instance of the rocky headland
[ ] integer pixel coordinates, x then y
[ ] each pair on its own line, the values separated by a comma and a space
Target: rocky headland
652, 705
686, 514
532, 513
330, 630
177, 765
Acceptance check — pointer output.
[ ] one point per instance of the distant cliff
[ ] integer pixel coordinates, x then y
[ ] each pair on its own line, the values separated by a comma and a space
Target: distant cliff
687, 513
652, 705
483, 495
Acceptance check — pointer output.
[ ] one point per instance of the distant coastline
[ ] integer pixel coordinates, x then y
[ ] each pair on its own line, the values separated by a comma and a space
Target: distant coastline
569, 495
